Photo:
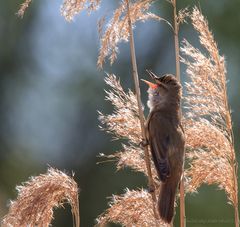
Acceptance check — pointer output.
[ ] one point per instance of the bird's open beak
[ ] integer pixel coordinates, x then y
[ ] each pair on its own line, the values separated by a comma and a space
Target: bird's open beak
156, 78
153, 76
150, 84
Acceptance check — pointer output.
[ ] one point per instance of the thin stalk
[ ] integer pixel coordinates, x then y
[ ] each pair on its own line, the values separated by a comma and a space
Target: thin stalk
233, 157
141, 115
76, 210
176, 40
177, 54
236, 214
233, 161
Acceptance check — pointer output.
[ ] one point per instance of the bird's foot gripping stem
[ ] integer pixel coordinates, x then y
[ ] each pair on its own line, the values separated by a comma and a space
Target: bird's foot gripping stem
144, 143
151, 188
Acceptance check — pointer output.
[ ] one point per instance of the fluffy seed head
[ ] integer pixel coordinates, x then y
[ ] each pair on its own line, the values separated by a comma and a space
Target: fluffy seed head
39, 196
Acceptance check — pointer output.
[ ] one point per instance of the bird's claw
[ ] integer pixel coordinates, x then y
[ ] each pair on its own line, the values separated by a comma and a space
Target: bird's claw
143, 143
151, 188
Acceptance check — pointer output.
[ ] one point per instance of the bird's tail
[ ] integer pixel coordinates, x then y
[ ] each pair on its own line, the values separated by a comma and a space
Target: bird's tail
166, 201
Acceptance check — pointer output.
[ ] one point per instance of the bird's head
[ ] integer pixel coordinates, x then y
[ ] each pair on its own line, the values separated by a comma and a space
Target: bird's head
164, 92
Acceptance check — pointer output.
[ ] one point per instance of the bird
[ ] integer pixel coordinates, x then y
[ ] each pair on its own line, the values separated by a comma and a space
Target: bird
165, 136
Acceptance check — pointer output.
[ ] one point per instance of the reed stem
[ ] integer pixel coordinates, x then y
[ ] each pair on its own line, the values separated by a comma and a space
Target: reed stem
141, 115
176, 41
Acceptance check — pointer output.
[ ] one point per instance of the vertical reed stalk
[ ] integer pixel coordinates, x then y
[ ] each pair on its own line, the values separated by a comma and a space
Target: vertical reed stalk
231, 138
176, 40
233, 158
176, 30
141, 115
236, 214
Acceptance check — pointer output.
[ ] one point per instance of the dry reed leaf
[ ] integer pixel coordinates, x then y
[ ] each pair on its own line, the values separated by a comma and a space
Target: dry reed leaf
134, 208
69, 8
208, 124
39, 196
117, 29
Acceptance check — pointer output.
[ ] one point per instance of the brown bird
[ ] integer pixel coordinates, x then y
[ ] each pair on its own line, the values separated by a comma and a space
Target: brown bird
165, 136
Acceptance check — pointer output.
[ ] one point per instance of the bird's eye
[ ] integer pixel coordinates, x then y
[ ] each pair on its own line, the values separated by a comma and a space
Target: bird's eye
163, 87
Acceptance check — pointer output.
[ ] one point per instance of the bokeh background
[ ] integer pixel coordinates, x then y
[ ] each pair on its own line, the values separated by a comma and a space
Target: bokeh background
51, 89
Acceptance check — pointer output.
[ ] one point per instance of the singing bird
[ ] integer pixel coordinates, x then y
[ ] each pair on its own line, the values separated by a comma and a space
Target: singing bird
165, 136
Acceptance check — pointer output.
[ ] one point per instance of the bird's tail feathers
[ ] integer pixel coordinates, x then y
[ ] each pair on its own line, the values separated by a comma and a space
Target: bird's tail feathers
166, 201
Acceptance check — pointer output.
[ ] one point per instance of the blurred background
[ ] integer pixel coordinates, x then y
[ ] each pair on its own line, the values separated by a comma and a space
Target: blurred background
50, 91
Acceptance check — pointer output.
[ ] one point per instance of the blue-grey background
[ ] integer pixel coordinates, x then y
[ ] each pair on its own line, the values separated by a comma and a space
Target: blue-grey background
50, 91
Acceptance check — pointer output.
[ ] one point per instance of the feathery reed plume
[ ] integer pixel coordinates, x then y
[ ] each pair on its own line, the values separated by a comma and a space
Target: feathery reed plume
123, 123
23, 8
134, 208
69, 8
118, 28
39, 196
132, 156
208, 122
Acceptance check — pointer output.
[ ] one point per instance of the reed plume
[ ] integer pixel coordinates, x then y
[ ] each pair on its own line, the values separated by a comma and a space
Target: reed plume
124, 123
39, 196
208, 120
134, 208
23, 8
69, 8
118, 29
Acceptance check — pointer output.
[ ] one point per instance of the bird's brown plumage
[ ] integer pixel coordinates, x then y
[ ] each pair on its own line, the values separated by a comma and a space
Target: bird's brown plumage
166, 139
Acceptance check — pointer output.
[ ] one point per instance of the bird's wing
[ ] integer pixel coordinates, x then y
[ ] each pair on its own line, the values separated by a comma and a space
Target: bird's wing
159, 140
